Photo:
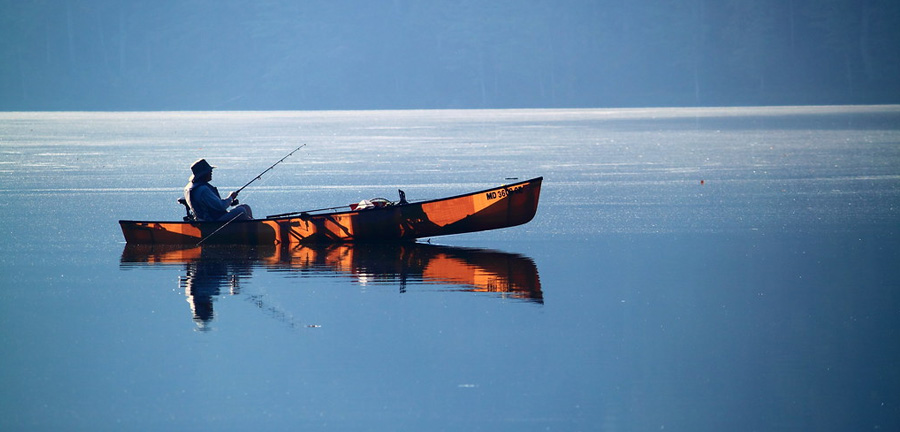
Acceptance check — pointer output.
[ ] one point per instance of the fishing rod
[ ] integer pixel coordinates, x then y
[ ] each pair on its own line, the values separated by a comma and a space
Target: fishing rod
267, 169
242, 188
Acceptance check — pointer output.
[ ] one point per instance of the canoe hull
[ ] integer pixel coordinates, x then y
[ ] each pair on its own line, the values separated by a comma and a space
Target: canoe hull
500, 207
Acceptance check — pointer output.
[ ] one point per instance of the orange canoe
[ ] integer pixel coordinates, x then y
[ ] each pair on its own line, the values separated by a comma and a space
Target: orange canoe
499, 207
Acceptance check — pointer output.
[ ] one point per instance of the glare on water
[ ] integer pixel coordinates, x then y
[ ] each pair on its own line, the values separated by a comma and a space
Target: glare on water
688, 269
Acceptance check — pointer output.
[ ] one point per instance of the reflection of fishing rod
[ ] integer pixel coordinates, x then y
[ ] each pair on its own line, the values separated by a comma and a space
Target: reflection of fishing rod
267, 169
275, 312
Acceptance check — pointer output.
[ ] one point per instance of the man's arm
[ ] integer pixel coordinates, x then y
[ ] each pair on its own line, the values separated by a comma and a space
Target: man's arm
210, 200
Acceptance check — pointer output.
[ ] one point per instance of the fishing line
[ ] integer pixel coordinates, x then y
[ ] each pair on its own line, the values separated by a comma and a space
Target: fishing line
219, 229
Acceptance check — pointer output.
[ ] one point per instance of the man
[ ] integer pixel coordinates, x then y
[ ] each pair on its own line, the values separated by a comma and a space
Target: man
204, 199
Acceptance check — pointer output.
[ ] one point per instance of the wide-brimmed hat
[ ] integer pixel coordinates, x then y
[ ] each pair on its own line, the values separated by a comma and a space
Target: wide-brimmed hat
200, 168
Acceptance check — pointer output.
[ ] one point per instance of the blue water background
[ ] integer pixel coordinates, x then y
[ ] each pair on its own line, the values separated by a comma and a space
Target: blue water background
701, 270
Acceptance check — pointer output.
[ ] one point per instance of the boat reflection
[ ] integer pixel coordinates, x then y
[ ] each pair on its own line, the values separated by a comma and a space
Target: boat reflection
211, 270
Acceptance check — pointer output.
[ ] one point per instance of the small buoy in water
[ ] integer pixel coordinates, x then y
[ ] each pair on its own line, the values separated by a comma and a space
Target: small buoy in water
702, 182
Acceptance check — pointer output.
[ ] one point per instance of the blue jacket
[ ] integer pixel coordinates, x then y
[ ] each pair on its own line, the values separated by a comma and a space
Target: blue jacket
205, 201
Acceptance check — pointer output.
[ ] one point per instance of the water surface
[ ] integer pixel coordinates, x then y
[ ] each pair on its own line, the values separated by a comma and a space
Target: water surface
688, 269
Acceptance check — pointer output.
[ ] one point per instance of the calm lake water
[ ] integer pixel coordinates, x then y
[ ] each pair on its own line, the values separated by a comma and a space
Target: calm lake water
688, 270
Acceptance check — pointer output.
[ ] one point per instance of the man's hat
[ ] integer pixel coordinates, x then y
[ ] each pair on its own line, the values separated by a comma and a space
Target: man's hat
200, 168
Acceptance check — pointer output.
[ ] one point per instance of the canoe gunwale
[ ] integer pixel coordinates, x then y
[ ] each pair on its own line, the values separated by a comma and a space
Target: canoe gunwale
423, 202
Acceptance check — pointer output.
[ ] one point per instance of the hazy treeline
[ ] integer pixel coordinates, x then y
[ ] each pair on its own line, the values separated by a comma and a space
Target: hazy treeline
370, 54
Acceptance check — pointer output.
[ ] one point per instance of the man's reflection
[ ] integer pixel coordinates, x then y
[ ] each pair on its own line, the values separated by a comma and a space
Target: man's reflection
206, 277
212, 270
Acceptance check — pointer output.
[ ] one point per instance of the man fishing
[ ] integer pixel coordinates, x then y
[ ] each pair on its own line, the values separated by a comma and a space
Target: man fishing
205, 201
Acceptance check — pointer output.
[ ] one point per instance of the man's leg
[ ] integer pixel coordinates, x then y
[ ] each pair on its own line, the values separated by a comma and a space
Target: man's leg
240, 212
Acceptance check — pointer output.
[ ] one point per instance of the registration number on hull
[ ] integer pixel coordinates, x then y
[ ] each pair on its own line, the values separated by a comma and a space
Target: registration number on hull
503, 193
